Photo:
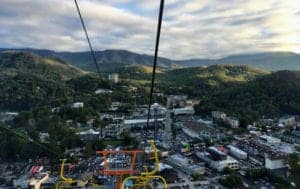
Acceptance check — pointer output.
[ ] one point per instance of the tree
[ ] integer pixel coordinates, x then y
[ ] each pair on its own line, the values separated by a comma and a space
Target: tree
99, 124
208, 142
129, 141
293, 162
197, 176
263, 129
232, 181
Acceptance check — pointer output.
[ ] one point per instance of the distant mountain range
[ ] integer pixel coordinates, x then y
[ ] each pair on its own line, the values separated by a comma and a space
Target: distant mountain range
108, 58
272, 61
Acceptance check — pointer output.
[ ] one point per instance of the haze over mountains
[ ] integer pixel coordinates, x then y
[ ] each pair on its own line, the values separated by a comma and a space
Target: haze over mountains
272, 61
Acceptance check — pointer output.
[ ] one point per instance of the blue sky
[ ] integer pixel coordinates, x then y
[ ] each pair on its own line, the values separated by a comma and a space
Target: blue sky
191, 28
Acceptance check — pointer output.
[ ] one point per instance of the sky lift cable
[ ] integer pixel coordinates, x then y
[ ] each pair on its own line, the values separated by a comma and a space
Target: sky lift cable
88, 39
161, 9
95, 61
154, 59
155, 53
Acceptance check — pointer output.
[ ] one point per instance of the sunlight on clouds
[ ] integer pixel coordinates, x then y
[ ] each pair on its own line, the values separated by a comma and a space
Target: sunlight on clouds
191, 28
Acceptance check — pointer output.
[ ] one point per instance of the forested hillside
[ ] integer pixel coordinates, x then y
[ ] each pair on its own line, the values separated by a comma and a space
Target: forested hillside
13, 63
272, 95
29, 81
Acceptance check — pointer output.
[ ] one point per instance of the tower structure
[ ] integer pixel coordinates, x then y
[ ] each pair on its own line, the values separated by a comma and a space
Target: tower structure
168, 130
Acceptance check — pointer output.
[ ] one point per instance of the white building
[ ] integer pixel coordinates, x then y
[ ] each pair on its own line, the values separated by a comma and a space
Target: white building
186, 165
180, 159
233, 122
274, 162
287, 120
236, 152
89, 135
128, 123
269, 139
218, 115
113, 130
217, 159
77, 105
8, 116
113, 77
201, 131
103, 91
44, 137
206, 122
177, 101
156, 109
184, 111
115, 105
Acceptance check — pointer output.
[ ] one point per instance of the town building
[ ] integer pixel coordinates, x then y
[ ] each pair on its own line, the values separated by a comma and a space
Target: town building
113, 77
77, 105
115, 106
293, 137
274, 162
267, 121
156, 110
218, 115
201, 131
184, 111
44, 137
236, 152
287, 120
141, 123
205, 122
113, 131
186, 165
177, 101
290, 138
89, 135
55, 110
8, 116
269, 139
217, 159
103, 91
233, 122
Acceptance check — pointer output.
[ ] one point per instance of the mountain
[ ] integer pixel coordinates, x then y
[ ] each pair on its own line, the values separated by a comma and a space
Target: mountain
200, 82
28, 80
106, 58
272, 61
111, 59
13, 63
220, 73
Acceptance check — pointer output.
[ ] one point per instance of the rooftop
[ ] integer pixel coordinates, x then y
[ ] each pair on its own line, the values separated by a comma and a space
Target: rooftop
137, 121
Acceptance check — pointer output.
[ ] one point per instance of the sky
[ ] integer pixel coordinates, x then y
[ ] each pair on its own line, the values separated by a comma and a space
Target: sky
190, 28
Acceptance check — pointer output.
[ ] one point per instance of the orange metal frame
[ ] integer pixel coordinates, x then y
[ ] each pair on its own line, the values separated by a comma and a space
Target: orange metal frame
119, 173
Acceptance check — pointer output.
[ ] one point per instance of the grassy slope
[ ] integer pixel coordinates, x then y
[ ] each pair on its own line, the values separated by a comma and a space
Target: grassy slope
13, 63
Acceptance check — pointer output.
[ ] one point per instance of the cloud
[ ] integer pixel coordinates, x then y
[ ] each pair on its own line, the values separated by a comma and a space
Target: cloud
191, 28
